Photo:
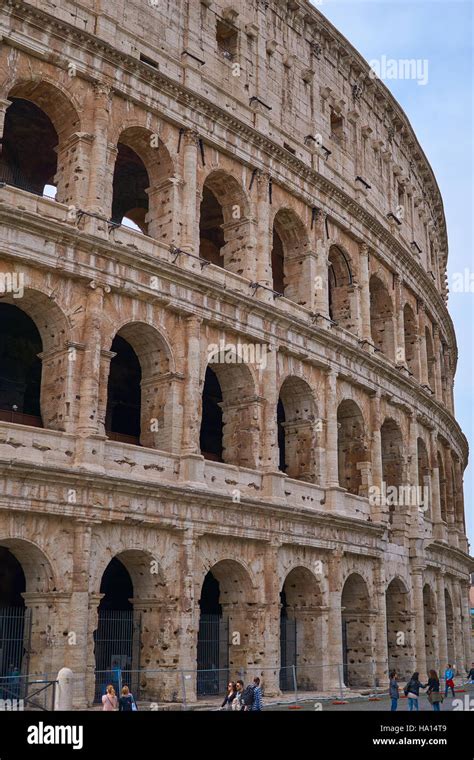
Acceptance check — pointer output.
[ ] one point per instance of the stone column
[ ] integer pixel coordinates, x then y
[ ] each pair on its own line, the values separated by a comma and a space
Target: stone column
264, 237
270, 614
400, 355
459, 628
418, 509
4, 105
321, 285
441, 618
420, 649
99, 196
192, 463
438, 389
189, 622
423, 351
439, 527
190, 237
380, 510
466, 612
332, 472
335, 655
380, 625
366, 333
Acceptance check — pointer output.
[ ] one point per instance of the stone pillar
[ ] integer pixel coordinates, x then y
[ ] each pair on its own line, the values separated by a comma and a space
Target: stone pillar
439, 527
417, 580
438, 389
190, 237
380, 625
366, 333
74, 169
4, 105
332, 473
49, 619
189, 622
99, 196
459, 628
321, 285
418, 510
441, 617
466, 620
269, 440
264, 237
192, 463
423, 351
90, 368
64, 690
400, 356
335, 655
270, 615
380, 510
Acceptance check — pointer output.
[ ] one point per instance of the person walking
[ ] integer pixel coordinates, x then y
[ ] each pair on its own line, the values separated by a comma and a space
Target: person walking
237, 704
449, 680
393, 690
257, 700
470, 675
412, 691
126, 701
109, 700
230, 696
434, 696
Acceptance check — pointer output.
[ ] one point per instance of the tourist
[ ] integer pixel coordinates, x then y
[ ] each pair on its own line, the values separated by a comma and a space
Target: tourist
109, 700
257, 690
412, 691
126, 701
237, 702
434, 696
449, 680
393, 690
230, 696
470, 675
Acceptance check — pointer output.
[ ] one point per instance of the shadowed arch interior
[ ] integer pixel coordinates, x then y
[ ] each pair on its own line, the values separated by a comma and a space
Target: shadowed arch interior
381, 318
20, 367
356, 633
296, 420
351, 445
339, 288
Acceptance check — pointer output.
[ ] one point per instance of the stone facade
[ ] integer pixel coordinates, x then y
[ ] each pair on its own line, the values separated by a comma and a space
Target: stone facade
286, 214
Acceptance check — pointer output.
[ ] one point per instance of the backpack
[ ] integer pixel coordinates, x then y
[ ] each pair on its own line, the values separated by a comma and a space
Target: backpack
248, 697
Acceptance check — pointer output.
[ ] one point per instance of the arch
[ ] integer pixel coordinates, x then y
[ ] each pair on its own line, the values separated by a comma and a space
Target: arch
381, 318
356, 632
430, 358
296, 419
142, 187
224, 222
35, 564
40, 114
392, 464
230, 412
449, 612
226, 605
290, 244
340, 287
400, 630
410, 332
141, 387
351, 445
430, 617
300, 629
20, 379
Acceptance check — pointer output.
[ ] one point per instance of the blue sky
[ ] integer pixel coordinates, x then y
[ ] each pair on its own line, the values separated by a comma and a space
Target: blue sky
441, 113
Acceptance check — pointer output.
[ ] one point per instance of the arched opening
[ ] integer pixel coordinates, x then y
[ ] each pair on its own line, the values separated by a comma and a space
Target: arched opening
430, 621
20, 375
211, 228
424, 479
296, 419
130, 185
300, 630
212, 428
117, 637
21, 163
392, 466
340, 285
224, 223
381, 318
448, 606
351, 445
356, 633
399, 629
122, 419
230, 413
290, 244
227, 609
442, 486
411, 340
430, 358
14, 631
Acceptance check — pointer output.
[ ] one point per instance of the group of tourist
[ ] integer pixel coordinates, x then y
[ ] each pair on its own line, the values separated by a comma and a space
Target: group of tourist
124, 703
239, 697
412, 688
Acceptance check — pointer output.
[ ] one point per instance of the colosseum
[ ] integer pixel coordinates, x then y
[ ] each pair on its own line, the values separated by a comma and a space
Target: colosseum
227, 433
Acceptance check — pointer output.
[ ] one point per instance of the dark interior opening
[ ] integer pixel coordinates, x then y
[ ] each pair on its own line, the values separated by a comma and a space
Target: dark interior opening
281, 436
124, 394
278, 270
211, 425
211, 233
20, 367
130, 183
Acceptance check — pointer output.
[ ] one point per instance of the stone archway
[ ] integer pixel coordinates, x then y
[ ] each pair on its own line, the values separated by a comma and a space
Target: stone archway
430, 617
297, 430
227, 642
340, 288
411, 337
290, 245
359, 669
400, 633
392, 470
301, 650
351, 445
381, 318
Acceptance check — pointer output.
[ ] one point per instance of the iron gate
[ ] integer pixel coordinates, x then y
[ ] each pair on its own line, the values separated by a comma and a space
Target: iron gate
212, 655
288, 650
117, 651
15, 637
